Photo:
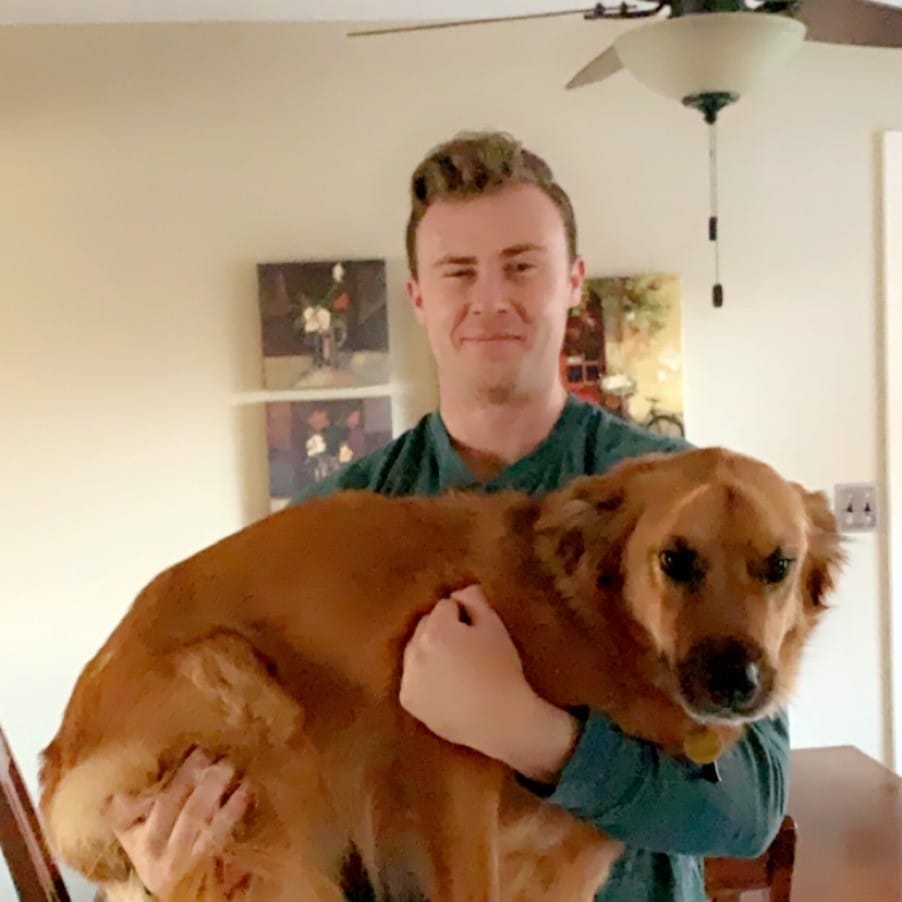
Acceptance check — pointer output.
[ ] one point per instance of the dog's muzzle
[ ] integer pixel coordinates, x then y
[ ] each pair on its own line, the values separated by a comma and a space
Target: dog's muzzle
725, 677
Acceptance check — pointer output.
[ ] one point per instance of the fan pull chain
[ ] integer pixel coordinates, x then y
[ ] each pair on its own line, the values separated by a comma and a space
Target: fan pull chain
709, 104
717, 293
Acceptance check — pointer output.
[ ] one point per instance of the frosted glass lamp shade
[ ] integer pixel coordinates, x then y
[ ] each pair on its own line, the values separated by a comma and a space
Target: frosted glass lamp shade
707, 53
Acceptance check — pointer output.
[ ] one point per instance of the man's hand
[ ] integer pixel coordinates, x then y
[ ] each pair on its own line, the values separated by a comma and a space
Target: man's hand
465, 682
169, 830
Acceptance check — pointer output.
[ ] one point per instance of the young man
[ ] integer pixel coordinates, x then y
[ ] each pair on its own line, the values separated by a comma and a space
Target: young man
494, 269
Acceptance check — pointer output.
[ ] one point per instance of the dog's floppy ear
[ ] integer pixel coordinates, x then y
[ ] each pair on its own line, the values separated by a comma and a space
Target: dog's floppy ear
826, 555
588, 522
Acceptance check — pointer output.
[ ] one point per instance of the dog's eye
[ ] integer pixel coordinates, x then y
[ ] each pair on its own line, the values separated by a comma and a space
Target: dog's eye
775, 568
680, 565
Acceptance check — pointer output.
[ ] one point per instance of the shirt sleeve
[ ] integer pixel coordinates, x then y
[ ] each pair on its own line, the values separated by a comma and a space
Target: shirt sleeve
635, 793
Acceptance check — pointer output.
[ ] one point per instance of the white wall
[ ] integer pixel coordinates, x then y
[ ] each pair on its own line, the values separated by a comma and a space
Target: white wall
144, 170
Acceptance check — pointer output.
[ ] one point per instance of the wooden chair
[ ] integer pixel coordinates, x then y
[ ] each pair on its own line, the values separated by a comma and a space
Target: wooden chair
31, 866
727, 878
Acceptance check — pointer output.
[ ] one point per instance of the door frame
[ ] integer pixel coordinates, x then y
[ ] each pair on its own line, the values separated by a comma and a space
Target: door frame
890, 326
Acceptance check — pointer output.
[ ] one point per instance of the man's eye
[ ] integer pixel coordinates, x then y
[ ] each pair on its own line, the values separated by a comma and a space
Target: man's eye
523, 266
459, 274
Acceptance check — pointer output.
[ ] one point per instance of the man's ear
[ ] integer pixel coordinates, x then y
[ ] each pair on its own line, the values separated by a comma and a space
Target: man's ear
577, 280
826, 555
415, 296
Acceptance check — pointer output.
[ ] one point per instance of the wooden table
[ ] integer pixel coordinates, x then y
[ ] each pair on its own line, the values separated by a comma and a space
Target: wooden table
848, 811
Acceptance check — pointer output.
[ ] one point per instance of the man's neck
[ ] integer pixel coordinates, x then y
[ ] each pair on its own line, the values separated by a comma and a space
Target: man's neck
491, 436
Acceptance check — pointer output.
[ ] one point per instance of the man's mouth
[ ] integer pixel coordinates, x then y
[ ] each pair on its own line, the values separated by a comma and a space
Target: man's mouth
490, 339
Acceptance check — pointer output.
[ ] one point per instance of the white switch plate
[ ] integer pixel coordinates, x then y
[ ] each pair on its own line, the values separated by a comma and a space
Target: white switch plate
855, 505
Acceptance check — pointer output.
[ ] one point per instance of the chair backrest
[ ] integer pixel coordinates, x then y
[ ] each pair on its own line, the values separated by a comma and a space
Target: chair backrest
727, 878
31, 866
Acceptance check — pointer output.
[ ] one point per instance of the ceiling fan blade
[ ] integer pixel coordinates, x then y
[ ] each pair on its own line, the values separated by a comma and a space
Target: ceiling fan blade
603, 66
430, 26
856, 22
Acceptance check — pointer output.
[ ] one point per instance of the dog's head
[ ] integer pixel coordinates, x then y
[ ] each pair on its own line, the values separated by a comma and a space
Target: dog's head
722, 565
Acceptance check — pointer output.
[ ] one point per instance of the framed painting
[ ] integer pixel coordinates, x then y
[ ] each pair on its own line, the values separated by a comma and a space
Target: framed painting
309, 440
324, 324
623, 349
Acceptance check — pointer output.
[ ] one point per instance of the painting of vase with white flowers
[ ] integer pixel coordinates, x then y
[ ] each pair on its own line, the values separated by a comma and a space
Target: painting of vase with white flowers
309, 440
324, 324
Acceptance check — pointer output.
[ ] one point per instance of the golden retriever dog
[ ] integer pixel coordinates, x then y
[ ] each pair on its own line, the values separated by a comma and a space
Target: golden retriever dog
674, 593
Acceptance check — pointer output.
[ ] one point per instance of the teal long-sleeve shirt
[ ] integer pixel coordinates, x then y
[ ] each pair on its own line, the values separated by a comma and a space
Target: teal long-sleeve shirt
668, 816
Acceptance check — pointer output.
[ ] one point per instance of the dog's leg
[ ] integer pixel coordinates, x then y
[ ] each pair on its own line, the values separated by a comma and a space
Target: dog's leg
547, 854
455, 797
290, 882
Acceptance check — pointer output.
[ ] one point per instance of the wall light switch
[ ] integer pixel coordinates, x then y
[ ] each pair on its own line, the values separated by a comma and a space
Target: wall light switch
855, 505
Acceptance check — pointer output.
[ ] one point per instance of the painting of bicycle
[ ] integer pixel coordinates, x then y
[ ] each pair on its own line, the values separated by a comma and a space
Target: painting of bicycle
623, 349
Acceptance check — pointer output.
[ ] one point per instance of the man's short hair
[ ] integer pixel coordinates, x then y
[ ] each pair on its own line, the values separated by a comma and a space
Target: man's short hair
477, 163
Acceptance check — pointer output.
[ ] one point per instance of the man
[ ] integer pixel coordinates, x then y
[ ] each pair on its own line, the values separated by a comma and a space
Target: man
494, 269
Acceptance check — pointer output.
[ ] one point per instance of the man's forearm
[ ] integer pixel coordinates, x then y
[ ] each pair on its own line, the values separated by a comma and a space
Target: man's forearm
549, 736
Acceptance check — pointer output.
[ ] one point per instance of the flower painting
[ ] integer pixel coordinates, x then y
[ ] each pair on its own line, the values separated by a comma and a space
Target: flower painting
309, 440
623, 349
324, 324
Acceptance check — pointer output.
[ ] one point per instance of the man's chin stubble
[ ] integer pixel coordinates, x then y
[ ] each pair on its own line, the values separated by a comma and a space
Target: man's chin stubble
498, 395
501, 393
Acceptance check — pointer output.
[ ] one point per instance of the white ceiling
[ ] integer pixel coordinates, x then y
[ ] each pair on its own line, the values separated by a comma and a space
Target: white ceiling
38, 11
46, 11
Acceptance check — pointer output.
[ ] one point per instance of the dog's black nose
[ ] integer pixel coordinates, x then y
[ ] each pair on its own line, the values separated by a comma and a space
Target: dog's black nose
722, 675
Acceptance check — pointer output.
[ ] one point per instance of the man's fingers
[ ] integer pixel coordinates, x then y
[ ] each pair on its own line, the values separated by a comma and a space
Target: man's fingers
464, 607
445, 613
164, 815
190, 770
474, 602
125, 811
201, 806
224, 821
421, 627
416, 640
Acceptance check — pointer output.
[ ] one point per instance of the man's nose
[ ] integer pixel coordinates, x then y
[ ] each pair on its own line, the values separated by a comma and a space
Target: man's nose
490, 294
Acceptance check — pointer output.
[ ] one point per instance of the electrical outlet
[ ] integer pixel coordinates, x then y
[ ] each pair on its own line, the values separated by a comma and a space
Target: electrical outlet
856, 506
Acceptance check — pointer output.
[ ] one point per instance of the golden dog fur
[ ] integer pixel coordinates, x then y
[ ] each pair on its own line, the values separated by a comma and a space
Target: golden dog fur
280, 647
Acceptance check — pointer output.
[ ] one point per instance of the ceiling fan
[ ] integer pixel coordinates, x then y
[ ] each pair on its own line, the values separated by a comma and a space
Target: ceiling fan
863, 23
708, 53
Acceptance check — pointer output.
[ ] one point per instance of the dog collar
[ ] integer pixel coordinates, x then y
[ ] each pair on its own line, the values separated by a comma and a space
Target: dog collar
703, 746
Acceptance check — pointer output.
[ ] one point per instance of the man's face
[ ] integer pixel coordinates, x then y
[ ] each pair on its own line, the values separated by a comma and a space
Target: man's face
493, 289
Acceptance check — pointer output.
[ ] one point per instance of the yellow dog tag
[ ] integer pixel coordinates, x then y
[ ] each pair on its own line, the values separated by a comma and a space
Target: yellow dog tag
703, 747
